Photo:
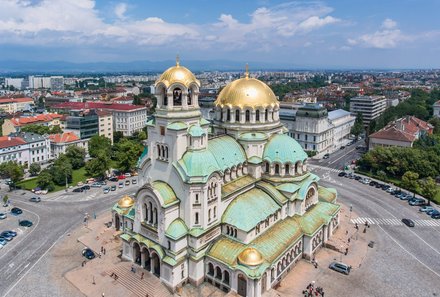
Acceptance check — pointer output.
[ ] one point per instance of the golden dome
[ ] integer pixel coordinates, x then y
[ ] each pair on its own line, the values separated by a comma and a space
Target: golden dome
177, 74
247, 92
250, 257
126, 202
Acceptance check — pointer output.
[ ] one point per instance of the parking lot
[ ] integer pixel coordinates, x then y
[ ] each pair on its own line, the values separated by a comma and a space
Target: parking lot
11, 223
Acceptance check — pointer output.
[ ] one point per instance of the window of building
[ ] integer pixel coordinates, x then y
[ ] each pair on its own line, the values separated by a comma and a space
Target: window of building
228, 115
215, 211
197, 198
305, 137
257, 116
237, 115
196, 221
266, 115
277, 169
248, 116
169, 245
314, 138
162, 130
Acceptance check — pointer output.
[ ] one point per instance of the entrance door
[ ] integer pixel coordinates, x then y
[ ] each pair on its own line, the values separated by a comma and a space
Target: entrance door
241, 285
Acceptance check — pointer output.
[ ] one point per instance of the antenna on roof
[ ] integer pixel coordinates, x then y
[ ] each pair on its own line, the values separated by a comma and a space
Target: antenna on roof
246, 72
177, 60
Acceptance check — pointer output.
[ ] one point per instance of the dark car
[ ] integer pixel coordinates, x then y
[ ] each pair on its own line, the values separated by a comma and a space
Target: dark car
385, 187
340, 267
85, 187
127, 182
357, 177
88, 253
133, 181
9, 232
342, 147
432, 212
342, 173
113, 179
378, 185
372, 183
113, 188
408, 222
35, 199
25, 223
16, 211
6, 236
326, 156
436, 215
78, 190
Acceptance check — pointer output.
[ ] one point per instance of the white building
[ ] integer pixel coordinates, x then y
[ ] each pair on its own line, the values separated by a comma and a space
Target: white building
436, 108
237, 208
370, 107
342, 122
17, 83
60, 142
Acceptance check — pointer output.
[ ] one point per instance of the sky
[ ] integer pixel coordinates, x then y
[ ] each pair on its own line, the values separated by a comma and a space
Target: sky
317, 34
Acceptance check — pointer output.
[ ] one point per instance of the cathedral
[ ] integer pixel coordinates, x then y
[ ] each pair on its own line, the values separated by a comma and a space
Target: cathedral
229, 202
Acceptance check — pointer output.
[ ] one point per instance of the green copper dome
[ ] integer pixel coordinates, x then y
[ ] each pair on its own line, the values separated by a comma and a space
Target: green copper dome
282, 148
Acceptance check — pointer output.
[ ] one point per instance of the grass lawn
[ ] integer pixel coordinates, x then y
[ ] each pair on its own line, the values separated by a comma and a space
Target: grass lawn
397, 182
77, 176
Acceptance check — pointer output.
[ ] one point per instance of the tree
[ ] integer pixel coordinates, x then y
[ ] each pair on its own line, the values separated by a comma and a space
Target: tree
38, 129
5, 199
41, 101
410, 181
98, 166
11, 170
358, 126
436, 123
127, 154
117, 136
45, 180
76, 156
429, 189
100, 145
34, 169
61, 170
55, 130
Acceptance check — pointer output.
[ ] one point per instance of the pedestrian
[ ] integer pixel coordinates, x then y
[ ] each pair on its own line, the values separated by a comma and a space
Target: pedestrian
116, 276
99, 254
104, 251
356, 226
346, 232
132, 269
365, 230
346, 251
102, 248
142, 275
349, 240
316, 264
322, 293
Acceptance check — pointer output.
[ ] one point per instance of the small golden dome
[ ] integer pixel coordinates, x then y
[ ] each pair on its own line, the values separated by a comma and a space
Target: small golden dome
246, 92
178, 74
250, 257
126, 202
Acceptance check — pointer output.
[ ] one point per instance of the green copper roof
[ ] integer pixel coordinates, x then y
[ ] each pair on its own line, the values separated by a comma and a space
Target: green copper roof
227, 151
177, 126
203, 122
166, 192
125, 236
253, 136
130, 214
237, 184
305, 184
327, 194
249, 209
282, 148
316, 216
288, 187
255, 160
196, 131
272, 191
226, 250
177, 229
200, 163
151, 122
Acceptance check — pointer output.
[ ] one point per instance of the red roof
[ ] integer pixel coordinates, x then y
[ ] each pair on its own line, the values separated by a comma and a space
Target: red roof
16, 100
98, 105
35, 119
122, 98
6, 141
403, 129
64, 137
392, 133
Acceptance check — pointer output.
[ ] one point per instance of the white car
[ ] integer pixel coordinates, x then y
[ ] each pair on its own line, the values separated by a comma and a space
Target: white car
127, 174
2, 216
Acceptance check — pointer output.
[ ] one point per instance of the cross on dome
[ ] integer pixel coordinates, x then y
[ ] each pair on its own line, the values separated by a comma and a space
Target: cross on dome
177, 60
246, 73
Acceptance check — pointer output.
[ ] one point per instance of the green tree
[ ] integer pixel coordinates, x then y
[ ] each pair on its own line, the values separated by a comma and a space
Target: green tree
358, 126
55, 130
436, 123
38, 129
100, 145
41, 101
34, 169
127, 154
98, 166
5, 199
45, 180
11, 170
61, 170
429, 189
76, 156
137, 100
117, 136
410, 181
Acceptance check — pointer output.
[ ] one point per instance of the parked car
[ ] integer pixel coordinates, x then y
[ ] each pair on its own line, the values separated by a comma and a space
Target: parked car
121, 177
96, 185
426, 208
9, 232
127, 174
365, 181
85, 187
16, 211
3, 242
340, 267
326, 156
2, 216
35, 199
357, 177
127, 182
113, 188
6, 236
389, 190
378, 185
342, 173
431, 212
342, 147
79, 184
436, 216
134, 181
25, 223
88, 253
372, 183
113, 179
78, 190
120, 185
408, 222
106, 190
416, 202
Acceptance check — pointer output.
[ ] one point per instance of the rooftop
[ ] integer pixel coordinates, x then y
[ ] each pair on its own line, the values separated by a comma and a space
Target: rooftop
6, 141
64, 137
99, 105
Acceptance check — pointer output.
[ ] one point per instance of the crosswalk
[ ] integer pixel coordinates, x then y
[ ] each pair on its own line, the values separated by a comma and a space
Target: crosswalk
316, 168
393, 222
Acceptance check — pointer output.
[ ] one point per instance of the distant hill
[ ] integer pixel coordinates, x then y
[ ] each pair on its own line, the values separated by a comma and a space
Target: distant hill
135, 66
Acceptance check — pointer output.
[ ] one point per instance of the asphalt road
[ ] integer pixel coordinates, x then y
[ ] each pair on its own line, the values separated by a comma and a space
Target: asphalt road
406, 261
52, 220
341, 157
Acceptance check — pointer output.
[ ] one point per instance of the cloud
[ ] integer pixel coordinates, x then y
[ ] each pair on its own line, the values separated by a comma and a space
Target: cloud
389, 36
120, 10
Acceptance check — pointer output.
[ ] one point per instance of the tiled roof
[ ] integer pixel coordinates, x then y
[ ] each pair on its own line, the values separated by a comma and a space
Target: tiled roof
35, 119
393, 133
403, 129
64, 137
98, 105
16, 100
6, 141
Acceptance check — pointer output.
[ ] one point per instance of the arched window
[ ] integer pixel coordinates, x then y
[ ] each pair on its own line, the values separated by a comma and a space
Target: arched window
226, 277
196, 218
177, 97
221, 114
166, 152
287, 171
257, 116
237, 115
165, 98
158, 151
210, 269
150, 207
218, 273
215, 211
248, 116
155, 216
267, 167
209, 215
189, 100
146, 212
228, 114
266, 115
277, 169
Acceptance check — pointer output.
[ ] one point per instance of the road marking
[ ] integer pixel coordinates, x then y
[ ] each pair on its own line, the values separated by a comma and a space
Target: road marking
343, 155
24, 268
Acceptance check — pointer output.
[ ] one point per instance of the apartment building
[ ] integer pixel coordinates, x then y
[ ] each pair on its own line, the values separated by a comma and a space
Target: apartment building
13, 105
370, 107
15, 125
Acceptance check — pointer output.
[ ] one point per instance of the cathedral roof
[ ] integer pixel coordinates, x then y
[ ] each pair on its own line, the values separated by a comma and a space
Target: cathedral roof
250, 257
177, 229
318, 215
196, 131
282, 148
178, 74
249, 209
166, 193
327, 194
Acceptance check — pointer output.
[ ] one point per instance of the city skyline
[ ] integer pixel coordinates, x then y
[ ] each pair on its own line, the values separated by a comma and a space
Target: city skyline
310, 34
